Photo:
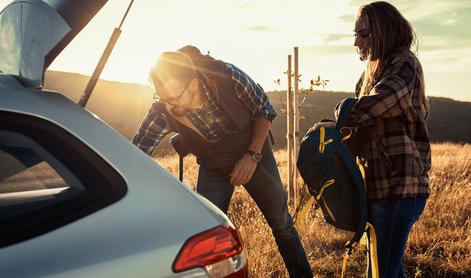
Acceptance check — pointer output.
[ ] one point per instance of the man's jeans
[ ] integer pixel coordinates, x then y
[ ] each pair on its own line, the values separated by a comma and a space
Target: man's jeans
267, 191
393, 220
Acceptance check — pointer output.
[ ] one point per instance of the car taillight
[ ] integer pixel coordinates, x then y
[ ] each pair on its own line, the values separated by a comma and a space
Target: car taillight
218, 249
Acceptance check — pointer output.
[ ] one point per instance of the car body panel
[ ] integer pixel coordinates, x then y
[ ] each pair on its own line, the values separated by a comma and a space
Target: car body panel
29, 30
151, 222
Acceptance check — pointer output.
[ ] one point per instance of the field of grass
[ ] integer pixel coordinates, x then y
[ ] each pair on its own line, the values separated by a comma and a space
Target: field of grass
439, 244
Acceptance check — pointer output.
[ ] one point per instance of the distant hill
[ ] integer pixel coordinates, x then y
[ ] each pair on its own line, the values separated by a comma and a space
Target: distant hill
449, 120
124, 105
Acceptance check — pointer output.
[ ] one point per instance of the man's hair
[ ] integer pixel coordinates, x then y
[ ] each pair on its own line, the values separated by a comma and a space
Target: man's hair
390, 34
172, 65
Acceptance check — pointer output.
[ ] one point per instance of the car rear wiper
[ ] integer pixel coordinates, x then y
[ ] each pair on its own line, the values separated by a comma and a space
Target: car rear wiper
102, 62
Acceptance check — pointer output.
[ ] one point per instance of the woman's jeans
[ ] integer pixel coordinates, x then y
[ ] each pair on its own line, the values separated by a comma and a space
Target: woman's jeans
393, 220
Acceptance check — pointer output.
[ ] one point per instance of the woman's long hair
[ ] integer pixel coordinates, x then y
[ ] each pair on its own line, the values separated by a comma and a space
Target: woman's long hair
390, 33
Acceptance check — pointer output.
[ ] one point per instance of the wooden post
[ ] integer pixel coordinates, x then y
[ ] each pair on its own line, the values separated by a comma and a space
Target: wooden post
289, 131
296, 121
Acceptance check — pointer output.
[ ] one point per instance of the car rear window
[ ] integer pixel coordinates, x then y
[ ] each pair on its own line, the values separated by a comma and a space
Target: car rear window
28, 177
48, 178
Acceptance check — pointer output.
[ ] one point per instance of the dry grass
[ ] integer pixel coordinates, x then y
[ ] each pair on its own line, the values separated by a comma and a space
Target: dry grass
439, 244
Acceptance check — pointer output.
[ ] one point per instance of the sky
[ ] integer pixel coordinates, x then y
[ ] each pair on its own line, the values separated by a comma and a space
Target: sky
258, 35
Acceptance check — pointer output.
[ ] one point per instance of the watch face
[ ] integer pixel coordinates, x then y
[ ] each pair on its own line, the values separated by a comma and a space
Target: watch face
257, 157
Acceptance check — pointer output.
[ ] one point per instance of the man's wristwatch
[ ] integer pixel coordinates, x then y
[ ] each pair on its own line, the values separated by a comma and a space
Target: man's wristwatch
255, 155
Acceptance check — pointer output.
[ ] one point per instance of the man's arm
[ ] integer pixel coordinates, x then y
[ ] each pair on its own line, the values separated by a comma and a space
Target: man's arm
153, 129
260, 130
256, 100
253, 96
246, 165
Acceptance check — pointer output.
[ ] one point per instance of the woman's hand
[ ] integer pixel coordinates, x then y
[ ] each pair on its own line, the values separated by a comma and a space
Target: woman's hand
322, 124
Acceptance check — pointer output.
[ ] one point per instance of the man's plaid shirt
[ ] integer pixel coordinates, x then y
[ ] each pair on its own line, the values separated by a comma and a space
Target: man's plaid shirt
397, 155
209, 119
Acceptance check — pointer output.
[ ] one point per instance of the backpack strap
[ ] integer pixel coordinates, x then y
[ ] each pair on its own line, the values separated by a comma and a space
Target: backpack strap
369, 241
344, 108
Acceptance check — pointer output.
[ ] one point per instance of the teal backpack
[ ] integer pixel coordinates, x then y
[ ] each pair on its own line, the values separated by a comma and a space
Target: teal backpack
335, 182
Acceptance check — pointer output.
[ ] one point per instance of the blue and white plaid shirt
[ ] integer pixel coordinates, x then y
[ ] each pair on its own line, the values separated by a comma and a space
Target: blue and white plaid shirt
209, 119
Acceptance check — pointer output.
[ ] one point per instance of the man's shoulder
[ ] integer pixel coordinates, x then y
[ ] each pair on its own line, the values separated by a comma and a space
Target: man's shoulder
231, 69
237, 74
229, 66
215, 69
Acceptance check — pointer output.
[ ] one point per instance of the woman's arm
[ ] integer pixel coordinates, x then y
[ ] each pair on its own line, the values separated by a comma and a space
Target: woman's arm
389, 98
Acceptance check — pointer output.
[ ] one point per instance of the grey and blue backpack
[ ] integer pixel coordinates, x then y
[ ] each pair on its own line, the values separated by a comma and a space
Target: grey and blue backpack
335, 181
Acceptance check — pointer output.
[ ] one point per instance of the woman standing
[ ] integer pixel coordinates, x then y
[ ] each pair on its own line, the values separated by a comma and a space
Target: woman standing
390, 113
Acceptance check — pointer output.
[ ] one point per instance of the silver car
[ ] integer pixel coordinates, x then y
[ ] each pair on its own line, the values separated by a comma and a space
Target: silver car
77, 199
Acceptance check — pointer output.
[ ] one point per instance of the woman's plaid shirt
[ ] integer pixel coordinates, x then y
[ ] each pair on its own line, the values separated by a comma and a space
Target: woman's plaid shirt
397, 155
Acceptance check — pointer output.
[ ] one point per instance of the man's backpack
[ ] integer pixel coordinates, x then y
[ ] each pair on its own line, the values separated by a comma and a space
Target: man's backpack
335, 181
206, 65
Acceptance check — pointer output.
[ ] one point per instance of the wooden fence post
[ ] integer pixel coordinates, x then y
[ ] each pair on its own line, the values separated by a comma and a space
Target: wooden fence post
296, 122
289, 131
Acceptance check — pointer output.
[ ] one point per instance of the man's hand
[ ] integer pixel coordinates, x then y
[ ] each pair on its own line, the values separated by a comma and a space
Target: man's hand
243, 170
322, 124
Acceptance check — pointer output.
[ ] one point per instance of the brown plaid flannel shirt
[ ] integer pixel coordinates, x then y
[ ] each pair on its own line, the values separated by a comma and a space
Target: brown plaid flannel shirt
397, 155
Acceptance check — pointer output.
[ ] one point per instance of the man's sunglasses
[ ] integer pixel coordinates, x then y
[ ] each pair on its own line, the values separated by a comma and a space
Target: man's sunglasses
172, 100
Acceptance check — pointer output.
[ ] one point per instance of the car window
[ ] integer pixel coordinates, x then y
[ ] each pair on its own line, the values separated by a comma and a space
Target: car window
30, 177
48, 178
